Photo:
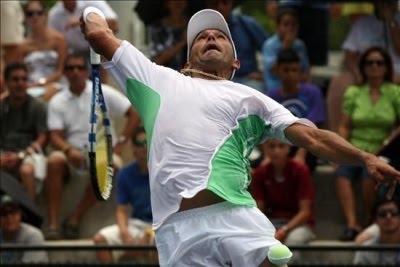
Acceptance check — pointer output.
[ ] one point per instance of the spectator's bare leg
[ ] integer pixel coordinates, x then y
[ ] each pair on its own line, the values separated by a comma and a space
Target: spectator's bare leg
56, 169
27, 172
369, 196
345, 195
104, 256
87, 201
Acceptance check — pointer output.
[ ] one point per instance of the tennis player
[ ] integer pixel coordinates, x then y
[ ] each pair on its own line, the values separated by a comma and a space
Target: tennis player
201, 128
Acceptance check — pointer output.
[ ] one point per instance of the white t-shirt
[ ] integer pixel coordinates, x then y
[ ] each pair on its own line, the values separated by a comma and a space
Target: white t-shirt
369, 31
200, 132
58, 17
71, 113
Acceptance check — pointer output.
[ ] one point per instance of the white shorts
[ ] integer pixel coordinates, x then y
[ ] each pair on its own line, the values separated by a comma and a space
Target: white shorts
223, 234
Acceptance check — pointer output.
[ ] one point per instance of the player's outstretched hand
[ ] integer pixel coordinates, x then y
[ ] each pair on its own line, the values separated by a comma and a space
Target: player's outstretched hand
383, 173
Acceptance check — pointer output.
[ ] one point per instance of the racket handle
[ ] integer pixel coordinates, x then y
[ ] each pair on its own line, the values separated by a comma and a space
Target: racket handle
94, 57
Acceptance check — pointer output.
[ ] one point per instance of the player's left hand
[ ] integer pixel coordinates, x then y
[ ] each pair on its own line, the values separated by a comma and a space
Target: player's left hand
383, 173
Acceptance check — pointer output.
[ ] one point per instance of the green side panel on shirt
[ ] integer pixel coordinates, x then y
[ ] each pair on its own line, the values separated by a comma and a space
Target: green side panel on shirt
146, 102
230, 170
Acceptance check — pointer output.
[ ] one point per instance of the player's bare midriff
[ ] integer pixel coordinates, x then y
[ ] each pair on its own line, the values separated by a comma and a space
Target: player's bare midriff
202, 199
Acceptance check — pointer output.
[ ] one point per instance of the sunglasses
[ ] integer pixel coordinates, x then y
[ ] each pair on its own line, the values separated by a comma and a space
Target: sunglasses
385, 213
73, 67
375, 62
19, 78
31, 13
8, 212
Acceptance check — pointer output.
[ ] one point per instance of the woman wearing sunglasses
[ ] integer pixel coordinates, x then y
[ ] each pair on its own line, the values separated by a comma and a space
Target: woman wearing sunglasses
370, 112
44, 51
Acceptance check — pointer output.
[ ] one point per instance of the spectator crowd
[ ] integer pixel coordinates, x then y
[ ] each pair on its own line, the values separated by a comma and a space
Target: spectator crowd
45, 91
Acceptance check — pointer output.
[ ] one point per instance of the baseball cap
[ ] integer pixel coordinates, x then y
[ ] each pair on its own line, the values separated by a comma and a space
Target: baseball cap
207, 19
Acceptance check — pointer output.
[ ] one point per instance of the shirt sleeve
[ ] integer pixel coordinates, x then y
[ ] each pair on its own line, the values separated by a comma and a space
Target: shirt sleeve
41, 118
278, 118
54, 116
130, 65
348, 103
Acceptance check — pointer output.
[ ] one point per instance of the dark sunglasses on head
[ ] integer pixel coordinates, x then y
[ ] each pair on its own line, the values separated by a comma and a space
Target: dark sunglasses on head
19, 78
73, 67
31, 13
374, 62
385, 213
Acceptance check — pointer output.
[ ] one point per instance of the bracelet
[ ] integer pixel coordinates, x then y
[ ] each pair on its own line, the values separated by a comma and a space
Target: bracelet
65, 149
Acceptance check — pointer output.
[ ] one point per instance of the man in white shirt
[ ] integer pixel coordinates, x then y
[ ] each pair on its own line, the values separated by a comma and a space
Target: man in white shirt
200, 130
68, 122
64, 17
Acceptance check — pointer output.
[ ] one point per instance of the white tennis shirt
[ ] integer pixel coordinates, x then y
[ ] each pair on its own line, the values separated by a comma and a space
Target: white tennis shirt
200, 132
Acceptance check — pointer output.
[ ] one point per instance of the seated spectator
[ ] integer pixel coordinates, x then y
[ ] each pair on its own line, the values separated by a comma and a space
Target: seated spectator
14, 231
68, 122
373, 230
285, 38
387, 219
12, 28
64, 18
284, 191
23, 129
167, 37
249, 37
381, 29
370, 113
43, 51
304, 100
314, 32
133, 190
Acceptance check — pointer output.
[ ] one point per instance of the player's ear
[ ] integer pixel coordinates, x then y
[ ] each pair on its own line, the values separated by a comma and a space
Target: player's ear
236, 64
187, 65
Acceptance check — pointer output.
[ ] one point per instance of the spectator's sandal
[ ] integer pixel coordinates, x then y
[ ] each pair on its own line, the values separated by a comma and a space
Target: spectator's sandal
71, 231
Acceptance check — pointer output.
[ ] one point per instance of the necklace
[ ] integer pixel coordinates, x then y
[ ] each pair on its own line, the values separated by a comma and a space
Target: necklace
209, 75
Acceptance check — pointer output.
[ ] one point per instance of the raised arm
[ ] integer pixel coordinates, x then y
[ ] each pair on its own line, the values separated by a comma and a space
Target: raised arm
99, 35
330, 146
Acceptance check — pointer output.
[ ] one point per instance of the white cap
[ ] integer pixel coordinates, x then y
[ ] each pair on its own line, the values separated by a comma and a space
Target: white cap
207, 19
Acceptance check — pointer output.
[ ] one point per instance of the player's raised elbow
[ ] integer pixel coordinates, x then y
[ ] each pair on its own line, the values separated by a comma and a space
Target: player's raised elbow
303, 136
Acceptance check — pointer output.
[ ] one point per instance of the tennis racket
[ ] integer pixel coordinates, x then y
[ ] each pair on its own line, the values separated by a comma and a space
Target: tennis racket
100, 139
